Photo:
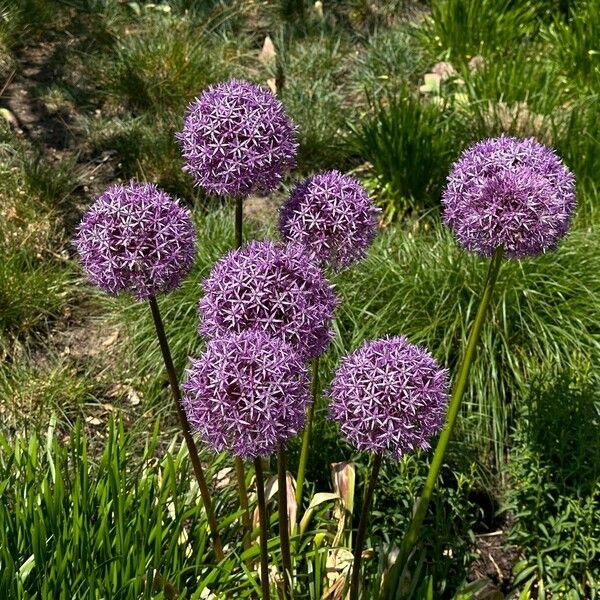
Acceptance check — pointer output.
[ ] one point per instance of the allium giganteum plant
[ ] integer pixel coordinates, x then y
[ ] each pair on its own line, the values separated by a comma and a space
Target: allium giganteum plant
267, 308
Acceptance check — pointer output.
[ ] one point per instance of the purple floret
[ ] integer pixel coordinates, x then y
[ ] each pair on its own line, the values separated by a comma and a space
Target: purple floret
509, 193
389, 397
332, 216
273, 288
247, 393
237, 139
136, 238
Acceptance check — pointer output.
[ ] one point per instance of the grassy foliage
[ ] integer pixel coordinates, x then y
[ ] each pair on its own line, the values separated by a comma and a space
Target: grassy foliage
410, 145
32, 393
34, 272
314, 93
461, 29
24, 20
146, 152
127, 525
575, 47
555, 495
388, 60
161, 64
453, 517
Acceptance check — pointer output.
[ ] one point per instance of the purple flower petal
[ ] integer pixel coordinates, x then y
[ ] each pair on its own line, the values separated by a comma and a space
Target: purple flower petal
247, 393
136, 238
332, 216
272, 288
389, 396
237, 139
509, 193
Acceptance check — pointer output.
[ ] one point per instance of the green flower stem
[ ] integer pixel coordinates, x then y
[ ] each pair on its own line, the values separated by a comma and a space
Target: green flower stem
239, 216
362, 527
185, 426
306, 436
240, 472
264, 525
460, 385
284, 534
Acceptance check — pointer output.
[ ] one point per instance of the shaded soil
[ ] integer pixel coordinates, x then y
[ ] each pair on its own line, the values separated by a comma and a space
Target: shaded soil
52, 127
495, 561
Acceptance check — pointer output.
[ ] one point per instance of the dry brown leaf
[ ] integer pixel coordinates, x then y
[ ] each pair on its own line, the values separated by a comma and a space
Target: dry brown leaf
268, 54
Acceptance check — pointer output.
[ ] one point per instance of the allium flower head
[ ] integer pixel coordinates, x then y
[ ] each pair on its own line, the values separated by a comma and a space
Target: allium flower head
389, 397
272, 288
237, 139
135, 238
509, 193
332, 216
247, 393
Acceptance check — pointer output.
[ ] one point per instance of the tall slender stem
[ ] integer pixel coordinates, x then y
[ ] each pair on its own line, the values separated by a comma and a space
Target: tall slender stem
306, 437
239, 216
185, 426
460, 385
240, 472
243, 497
284, 533
362, 527
264, 526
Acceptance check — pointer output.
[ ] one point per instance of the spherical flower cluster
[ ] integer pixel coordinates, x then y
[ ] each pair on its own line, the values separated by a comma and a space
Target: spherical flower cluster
332, 216
237, 139
389, 397
511, 194
136, 238
247, 393
271, 288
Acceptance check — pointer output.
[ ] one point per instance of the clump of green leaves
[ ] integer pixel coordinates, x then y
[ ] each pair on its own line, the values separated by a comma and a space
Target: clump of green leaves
410, 145
461, 29
555, 485
574, 46
162, 62
124, 524
314, 94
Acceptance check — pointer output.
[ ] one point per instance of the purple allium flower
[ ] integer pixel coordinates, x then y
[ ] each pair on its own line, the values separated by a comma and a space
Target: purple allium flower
271, 288
332, 216
509, 193
237, 139
389, 396
248, 392
136, 238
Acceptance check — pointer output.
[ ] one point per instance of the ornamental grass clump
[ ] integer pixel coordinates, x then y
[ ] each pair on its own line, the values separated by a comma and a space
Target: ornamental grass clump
332, 216
269, 287
135, 238
388, 397
248, 393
